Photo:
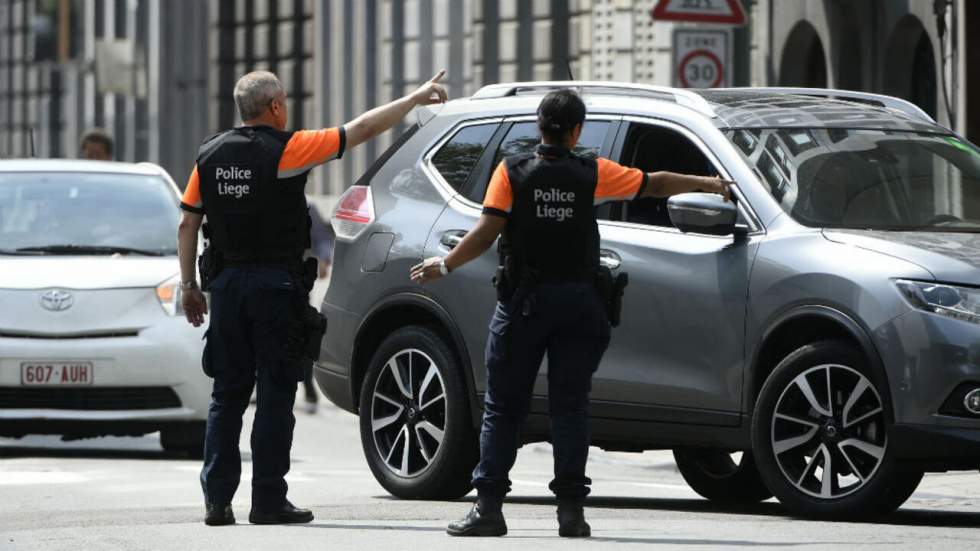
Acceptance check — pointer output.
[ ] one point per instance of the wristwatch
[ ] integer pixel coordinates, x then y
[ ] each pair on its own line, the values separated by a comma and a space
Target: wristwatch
443, 269
188, 285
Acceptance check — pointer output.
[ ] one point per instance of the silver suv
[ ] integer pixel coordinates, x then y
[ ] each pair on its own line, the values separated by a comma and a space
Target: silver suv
818, 340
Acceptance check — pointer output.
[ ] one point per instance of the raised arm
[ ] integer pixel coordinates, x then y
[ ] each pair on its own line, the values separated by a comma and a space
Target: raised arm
665, 184
379, 119
619, 183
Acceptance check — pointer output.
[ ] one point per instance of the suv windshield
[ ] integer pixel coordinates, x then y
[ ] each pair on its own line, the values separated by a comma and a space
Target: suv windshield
87, 213
868, 179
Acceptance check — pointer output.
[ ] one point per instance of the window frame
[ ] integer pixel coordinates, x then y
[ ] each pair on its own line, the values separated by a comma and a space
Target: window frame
745, 209
447, 191
484, 167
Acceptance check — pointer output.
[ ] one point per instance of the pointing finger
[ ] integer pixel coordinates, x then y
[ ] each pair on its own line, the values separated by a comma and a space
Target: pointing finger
441, 92
439, 75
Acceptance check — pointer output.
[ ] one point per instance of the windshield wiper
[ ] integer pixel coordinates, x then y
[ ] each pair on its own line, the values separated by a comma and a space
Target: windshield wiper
929, 229
87, 249
12, 252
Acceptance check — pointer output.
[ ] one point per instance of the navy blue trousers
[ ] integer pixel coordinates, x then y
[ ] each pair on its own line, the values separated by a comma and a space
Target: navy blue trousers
569, 323
250, 310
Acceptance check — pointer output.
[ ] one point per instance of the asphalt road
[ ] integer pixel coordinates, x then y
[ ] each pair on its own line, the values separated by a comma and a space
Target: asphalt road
126, 493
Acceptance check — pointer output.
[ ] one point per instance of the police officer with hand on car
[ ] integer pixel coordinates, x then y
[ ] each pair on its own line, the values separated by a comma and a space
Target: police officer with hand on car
543, 203
249, 183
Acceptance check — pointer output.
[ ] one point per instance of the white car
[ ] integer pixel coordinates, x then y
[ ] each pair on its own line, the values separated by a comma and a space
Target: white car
93, 340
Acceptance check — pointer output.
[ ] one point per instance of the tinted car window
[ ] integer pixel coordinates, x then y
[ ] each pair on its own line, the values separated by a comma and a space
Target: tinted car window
523, 136
456, 159
651, 149
102, 210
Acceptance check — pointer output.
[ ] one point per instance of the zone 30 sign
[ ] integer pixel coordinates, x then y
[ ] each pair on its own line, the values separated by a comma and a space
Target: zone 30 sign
702, 58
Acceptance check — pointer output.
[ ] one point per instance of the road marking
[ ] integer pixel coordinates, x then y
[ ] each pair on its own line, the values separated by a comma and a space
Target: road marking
25, 478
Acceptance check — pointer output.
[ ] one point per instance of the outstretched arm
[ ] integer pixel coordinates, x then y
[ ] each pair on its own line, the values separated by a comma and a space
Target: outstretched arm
666, 184
379, 119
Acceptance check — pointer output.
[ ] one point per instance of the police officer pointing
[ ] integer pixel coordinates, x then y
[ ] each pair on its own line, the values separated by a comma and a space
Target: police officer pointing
249, 183
543, 203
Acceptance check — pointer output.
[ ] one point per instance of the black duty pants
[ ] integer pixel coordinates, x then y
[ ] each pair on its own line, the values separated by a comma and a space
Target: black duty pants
567, 321
250, 310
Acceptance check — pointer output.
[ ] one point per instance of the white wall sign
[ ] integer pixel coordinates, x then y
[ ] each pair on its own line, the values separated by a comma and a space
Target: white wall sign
702, 58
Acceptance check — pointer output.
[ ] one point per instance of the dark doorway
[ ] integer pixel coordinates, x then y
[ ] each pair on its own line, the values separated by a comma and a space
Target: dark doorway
972, 77
910, 65
803, 62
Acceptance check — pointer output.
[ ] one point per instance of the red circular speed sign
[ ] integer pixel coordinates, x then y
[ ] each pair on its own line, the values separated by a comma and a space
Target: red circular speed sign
704, 67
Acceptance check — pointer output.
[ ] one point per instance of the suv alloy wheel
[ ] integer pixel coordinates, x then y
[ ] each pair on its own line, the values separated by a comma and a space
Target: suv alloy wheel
416, 429
820, 436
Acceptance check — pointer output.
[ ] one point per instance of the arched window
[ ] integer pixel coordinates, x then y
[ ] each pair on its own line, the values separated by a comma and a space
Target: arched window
803, 62
910, 65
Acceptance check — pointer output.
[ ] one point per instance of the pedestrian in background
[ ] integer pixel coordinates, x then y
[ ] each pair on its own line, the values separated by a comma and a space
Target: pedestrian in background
249, 182
322, 236
544, 205
96, 145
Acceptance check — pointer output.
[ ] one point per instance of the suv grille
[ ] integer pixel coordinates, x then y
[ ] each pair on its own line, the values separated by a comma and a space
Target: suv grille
106, 398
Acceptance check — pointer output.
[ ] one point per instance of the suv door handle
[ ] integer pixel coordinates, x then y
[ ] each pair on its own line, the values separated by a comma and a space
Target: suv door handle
452, 238
609, 259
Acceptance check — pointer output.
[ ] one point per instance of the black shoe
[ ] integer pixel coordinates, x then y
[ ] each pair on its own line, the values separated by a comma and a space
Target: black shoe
287, 514
481, 521
571, 521
219, 515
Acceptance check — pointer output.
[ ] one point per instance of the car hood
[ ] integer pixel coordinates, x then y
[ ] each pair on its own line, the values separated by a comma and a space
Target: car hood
950, 257
85, 272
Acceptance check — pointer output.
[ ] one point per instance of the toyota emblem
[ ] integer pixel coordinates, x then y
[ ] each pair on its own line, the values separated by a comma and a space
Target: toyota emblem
57, 300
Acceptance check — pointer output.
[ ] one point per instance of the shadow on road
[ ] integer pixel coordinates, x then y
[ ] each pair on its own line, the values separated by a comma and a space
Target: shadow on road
13, 452
903, 517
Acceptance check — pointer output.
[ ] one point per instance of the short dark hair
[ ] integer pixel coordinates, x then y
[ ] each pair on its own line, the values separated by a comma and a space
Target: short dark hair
559, 112
99, 136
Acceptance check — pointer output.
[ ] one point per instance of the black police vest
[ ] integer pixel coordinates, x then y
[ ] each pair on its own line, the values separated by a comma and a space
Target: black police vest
552, 228
252, 215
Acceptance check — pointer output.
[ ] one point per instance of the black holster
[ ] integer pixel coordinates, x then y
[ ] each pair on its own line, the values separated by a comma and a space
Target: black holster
307, 325
611, 290
209, 264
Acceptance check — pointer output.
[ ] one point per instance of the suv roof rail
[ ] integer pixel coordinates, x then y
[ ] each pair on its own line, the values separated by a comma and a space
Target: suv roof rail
675, 95
878, 100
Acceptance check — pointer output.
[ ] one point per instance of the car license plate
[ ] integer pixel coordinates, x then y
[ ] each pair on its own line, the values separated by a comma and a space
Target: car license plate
56, 373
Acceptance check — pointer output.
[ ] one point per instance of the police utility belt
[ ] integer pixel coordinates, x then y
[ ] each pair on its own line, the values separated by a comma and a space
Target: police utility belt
307, 325
511, 282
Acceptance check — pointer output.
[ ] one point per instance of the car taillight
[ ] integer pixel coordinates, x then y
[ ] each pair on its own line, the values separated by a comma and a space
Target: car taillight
354, 212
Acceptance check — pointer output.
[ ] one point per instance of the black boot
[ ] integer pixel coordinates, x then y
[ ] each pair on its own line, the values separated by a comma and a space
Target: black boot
218, 515
287, 514
571, 519
485, 519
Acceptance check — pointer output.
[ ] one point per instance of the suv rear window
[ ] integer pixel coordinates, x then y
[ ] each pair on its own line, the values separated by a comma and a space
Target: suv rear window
457, 157
524, 136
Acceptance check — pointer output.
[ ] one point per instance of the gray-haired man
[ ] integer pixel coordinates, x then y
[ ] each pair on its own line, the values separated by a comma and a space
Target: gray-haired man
249, 182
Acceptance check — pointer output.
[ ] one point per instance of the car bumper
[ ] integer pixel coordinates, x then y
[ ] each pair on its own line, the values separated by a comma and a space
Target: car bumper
938, 448
927, 357
332, 370
165, 356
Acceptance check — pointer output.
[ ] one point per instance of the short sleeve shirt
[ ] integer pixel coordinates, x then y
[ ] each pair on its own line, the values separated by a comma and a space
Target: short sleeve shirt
305, 150
615, 183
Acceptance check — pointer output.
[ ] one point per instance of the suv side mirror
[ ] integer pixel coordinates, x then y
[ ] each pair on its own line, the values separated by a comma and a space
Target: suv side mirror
706, 213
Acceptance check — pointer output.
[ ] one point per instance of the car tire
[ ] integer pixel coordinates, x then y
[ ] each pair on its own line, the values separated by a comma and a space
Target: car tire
418, 445
715, 475
793, 436
902, 488
185, 438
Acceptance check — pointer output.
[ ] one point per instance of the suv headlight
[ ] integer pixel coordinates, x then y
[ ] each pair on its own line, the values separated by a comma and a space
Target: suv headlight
962, 303
168, 293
